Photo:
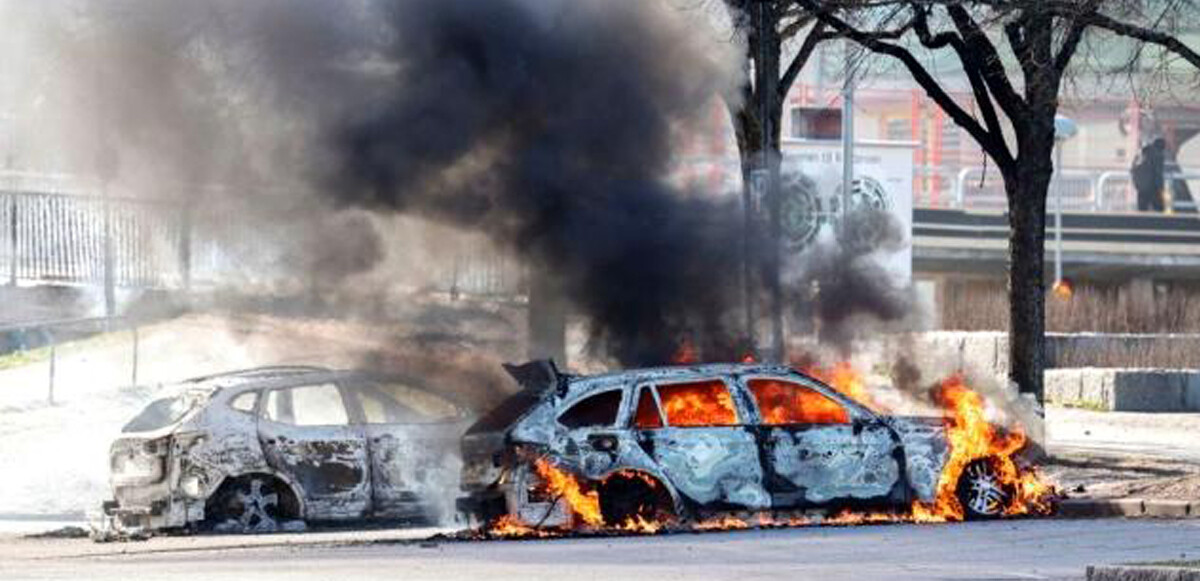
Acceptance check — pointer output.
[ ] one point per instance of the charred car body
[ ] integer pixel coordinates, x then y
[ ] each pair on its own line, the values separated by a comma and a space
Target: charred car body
261, 449
689, 441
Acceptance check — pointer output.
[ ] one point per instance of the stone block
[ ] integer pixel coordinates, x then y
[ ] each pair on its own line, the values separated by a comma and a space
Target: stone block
1168, 508
1100, 507
1147, 391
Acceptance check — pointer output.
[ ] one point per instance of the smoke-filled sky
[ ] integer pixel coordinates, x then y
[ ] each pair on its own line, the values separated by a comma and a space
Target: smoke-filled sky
547, 126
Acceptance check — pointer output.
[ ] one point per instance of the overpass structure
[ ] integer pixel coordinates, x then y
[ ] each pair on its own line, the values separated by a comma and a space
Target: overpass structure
1097, 247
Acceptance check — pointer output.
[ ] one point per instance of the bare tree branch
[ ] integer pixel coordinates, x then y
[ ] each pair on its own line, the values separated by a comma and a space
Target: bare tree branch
1146, 35
815, 36
993, 144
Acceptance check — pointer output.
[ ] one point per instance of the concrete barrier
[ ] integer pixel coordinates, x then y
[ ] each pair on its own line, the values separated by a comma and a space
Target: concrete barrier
986, 352
1133, 390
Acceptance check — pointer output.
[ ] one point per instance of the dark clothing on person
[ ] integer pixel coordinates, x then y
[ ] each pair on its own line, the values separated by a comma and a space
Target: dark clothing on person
1147, 174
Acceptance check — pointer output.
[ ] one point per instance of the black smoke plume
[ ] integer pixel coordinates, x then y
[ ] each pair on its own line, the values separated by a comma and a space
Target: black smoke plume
548, 127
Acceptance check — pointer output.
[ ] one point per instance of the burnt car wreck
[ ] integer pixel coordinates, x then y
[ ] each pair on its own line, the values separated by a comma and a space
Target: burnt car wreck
690, 442
267, 449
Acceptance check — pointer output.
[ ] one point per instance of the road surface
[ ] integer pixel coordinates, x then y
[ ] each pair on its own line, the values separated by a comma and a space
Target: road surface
1029, 549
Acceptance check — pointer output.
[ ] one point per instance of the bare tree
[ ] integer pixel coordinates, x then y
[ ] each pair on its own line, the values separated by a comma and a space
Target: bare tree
757, 112
1014, 55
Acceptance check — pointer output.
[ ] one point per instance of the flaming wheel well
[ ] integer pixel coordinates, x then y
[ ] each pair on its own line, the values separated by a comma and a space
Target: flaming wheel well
633, 495
982, 492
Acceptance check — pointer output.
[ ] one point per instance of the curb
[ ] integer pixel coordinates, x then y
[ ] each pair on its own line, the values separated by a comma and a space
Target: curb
1127, 507
1142, 574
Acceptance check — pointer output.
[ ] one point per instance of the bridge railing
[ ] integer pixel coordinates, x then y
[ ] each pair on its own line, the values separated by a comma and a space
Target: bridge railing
1081, 191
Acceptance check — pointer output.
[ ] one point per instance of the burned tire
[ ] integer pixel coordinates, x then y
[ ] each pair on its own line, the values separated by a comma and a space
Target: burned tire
627, 495
980, 491
251, 505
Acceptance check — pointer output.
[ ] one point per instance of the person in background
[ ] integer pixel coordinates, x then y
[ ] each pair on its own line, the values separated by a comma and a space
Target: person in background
1147, 174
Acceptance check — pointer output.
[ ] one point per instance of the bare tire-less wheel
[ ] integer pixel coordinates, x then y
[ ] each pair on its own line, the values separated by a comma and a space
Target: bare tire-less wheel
248, 505
980, 491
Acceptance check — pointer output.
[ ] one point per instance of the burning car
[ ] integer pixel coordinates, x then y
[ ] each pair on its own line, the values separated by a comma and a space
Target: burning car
268, 448
687, 442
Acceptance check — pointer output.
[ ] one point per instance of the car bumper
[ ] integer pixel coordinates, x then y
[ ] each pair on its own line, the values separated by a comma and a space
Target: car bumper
482, 505
167, 513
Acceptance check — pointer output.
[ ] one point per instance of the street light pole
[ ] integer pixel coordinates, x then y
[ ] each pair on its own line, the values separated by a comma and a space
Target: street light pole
1058, 203
1064, 129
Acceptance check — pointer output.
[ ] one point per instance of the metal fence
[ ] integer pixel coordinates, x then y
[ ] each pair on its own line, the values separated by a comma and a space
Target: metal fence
67, 238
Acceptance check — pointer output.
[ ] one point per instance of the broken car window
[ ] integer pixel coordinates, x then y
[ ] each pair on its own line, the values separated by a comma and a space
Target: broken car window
784, 402
698, 403
313, 405
647, 416
245, 402
394, 402
161, 413
596, 410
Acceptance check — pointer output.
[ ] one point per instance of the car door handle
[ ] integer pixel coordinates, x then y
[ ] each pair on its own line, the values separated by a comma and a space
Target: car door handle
270, 440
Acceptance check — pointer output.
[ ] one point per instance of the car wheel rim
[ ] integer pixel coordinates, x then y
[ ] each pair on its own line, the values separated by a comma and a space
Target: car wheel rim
255, 504
986, 496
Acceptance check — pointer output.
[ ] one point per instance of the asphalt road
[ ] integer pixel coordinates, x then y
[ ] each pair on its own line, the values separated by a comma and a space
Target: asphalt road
1030, 549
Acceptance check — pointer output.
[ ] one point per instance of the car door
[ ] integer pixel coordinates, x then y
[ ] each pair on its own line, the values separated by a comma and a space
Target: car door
412, 440
307, 435
590, 438
698, 434
817, 448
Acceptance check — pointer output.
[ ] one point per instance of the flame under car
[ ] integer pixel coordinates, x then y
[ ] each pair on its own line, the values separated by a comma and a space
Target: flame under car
266, 449
689, 442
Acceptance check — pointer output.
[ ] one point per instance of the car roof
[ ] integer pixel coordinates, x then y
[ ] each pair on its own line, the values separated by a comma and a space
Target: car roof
283, 376
259, 376
684, 372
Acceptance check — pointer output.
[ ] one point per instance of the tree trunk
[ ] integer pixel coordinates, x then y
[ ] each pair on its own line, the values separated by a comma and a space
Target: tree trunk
1027, 187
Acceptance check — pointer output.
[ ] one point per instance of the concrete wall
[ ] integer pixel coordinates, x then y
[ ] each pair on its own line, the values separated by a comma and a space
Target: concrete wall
1140, 390
987, 351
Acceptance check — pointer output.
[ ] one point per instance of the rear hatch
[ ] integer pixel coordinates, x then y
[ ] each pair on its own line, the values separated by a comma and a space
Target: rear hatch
140, 457
484, 446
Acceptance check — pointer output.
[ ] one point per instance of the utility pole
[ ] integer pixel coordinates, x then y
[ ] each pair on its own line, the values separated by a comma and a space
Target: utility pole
766, 84
847, 135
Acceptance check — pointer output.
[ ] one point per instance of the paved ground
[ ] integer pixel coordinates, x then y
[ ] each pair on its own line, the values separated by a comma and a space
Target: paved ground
1159, 435
1033, 549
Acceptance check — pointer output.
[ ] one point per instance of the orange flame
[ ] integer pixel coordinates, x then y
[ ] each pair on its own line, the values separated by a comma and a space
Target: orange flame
510, 526
972, 437
782, 403
848, 381
640, 525
563, 485
700, 403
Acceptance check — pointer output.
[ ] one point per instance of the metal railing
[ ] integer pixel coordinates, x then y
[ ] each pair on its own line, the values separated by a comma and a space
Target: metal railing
1082, 191
70, 238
